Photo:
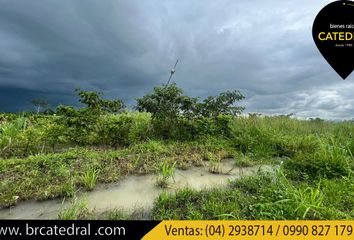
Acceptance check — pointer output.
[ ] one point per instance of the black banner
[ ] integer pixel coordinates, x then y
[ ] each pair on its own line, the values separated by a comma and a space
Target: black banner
83, 229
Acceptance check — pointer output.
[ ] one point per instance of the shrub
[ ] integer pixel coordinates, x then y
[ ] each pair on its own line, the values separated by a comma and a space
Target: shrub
82, 124
20, 138
125, 128
331, 161
176, 116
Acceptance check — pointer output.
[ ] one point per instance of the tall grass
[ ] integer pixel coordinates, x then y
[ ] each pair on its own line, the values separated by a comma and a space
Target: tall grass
304, 199
165, 172
77, 210
214, 165
317, 161
10, 134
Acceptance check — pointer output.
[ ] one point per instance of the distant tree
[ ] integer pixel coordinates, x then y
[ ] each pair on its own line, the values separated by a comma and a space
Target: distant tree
82, 124
94, 101
317, 119
254, 115
173, 113
40, 105
169, 101
286, 115
221, 104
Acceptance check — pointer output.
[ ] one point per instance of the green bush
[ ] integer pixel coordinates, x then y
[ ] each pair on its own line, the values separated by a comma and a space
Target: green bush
20, 137
179, 117
273, 137
183, 129
82, 124
125, 128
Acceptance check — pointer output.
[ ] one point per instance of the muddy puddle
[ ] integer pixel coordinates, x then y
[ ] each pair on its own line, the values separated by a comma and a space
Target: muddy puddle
132, 192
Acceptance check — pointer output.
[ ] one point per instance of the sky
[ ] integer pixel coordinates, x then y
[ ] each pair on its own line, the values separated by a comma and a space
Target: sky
124, 48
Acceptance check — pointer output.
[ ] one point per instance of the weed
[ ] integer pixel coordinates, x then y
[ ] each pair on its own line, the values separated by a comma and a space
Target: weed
165, 172
78, 209
89, 178
305, 199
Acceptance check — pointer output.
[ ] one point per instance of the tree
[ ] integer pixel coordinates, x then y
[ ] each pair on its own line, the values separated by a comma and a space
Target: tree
82, 124
93, 101
40, 104
168, 105
221, 104
175, 115
167, 102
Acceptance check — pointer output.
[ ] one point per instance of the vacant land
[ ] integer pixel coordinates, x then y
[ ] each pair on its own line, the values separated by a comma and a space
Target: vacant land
58, 154
44, 157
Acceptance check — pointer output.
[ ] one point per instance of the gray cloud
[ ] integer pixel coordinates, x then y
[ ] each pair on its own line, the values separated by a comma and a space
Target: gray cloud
124, 48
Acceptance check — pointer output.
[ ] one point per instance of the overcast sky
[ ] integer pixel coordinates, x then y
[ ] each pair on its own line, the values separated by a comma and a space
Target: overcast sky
126, 47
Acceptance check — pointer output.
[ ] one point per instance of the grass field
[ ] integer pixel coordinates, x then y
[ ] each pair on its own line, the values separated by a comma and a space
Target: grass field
44, 157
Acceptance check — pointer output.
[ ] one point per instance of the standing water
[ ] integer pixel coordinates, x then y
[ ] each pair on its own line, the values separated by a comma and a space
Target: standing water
132, 192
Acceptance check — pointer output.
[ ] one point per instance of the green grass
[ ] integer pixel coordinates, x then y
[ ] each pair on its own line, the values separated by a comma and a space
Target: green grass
121, 214
315, 180
77, 210
262, 197
63, 173
243, 161
165, 172
89, 178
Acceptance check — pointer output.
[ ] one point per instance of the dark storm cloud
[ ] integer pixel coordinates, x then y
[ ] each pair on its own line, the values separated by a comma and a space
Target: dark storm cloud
17, 99
124, 48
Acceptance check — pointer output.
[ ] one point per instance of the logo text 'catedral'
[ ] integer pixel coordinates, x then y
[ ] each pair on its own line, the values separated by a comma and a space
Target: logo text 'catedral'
333, 33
